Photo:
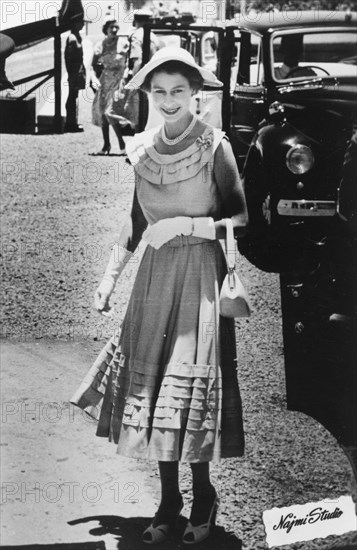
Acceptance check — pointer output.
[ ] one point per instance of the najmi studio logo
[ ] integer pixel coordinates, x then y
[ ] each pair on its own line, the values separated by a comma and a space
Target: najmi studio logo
309, 521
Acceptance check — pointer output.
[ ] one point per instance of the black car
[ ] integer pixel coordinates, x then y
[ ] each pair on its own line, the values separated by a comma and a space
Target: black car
288, 105
293, 114
293, 111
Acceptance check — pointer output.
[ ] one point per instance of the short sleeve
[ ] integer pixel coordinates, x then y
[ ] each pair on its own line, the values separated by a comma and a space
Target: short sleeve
98, 48
123, 47
225, 165
136, 45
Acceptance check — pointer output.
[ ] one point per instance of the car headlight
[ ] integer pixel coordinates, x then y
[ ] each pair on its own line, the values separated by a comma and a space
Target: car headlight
300, 159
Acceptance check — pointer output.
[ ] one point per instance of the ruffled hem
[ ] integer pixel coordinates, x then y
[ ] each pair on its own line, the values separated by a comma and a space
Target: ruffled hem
192, 392
159, 169
120, 395
167, 388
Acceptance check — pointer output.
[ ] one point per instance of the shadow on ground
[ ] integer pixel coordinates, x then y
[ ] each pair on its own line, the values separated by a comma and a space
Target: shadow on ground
100, 545
129, 530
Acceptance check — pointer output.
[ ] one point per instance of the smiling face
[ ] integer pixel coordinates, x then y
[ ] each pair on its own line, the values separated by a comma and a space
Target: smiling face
171, 94
113, 29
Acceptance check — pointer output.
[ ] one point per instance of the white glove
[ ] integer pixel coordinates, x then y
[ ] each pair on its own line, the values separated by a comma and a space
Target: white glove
119, 257
164, 230
204, 228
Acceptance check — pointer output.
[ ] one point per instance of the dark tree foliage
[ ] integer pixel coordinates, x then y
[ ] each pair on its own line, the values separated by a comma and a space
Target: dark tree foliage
134, 4
234, 6
265, 5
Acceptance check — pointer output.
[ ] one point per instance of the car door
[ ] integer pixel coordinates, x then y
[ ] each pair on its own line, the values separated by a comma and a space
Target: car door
205, 44
248, 93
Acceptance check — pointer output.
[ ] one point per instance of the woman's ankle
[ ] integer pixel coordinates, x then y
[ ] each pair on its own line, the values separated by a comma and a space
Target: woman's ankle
168, 510
171, 500
204, 491
203, 503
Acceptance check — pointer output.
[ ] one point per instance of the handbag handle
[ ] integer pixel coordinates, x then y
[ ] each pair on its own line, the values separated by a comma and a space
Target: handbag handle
230, 245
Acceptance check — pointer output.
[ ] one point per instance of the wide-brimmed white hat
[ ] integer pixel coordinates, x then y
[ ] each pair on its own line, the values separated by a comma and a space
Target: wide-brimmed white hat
171, 53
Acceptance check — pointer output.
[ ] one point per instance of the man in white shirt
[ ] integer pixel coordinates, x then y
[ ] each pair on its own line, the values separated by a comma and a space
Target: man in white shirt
136, 40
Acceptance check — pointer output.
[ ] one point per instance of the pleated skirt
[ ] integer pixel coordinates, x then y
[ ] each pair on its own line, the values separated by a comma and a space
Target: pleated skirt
166, 387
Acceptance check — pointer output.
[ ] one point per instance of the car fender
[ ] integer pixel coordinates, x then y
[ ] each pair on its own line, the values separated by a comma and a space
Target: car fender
270, 243
273, 141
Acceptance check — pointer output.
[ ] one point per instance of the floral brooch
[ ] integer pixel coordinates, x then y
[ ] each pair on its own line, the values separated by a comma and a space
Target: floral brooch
204, 142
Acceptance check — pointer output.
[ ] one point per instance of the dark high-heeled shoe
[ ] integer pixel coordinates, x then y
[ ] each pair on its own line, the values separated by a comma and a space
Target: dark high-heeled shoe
103, 152
163, 523
196, 533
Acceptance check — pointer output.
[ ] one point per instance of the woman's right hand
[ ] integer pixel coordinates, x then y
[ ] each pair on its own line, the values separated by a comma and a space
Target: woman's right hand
102, 296
95, 83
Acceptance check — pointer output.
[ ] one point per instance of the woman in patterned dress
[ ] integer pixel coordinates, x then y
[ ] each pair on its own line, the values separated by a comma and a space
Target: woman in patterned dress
166, 389
112, 55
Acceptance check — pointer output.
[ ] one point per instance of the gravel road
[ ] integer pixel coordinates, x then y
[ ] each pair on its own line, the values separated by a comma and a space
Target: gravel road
61, 210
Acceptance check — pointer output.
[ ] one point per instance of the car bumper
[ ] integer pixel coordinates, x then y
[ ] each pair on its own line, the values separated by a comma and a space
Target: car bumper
306, 208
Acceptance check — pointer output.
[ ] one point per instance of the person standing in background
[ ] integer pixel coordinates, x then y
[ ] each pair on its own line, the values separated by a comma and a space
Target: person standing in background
135, 55
111, 53
136, 41
73, 56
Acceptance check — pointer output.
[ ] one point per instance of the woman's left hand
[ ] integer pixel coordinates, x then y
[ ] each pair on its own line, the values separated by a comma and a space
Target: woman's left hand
164, 230
94, 83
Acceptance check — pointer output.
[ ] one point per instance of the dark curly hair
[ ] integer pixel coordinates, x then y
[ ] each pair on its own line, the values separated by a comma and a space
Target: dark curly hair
107, 25
193, 75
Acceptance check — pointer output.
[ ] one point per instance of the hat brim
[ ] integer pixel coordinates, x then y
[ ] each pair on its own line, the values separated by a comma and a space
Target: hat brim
209, 79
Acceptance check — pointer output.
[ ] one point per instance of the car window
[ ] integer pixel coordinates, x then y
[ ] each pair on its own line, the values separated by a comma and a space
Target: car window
235, 59
256, 65
203, 46
185, 39
298, 55
209, 45
172, 40
249, 69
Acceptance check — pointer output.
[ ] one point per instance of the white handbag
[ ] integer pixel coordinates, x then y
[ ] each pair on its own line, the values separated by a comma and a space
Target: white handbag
233, 298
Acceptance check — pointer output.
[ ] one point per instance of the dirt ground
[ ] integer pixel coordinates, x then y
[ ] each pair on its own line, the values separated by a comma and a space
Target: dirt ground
62, 487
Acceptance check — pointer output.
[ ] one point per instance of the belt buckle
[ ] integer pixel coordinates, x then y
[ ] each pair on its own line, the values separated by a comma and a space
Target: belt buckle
174, 243
184, 240
180, 240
